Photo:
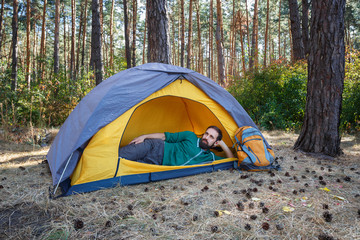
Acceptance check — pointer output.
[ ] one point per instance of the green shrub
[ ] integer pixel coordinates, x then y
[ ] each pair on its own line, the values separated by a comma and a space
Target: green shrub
274, 97
350, 117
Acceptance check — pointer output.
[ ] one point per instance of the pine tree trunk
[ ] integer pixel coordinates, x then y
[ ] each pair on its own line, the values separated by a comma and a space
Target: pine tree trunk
96, 56
173, 47
103, 51
182, 37
266, 32
111, 35
247, 28
241, 43
28, 48
219, 44
14, 46
81, 32
134, 33
232, 41
326, 64
291, 42
211, 43
84, 35
200, 68
254, 51
127, 37
65, 46
305, 26
73, 33
34, 50
42, 46
144, 42
158, 32
1, 23
297, 43
56, 37
279, 31
189, 46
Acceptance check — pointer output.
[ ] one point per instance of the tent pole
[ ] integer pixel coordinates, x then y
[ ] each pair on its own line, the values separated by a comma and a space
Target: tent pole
63, 173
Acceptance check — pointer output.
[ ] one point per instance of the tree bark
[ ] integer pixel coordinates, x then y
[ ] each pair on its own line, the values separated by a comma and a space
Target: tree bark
241, 42
1, 23
14, 46
144, 42
211, 39
219, 44
326, 63
291, 42
305, 26
127, 37
134, 33
42, 46
111, 35
73, 33
56, 37
232, 41
84, 35
28, 48
34, 49
189, 46
297, 43
254, 49
182, 34
266, 33
81, 32
158, 32
96, 56
247, 28
173, 47
200, 67
279, 30
65, 46
103, 45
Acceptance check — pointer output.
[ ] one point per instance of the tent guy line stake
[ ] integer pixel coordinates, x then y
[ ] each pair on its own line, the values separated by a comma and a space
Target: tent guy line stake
63, 173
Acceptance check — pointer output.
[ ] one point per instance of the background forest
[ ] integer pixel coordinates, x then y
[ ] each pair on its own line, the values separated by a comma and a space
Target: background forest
45, 54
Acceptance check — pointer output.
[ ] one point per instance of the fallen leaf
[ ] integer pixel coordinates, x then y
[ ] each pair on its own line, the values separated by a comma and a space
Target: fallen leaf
325, 189
288, 209
338, 198
218, 213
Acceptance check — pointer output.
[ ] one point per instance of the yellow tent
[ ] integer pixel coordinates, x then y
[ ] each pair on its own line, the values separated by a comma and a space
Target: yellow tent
167, 99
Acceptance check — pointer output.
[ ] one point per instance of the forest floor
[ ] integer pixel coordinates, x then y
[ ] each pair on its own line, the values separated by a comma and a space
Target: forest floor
310, 198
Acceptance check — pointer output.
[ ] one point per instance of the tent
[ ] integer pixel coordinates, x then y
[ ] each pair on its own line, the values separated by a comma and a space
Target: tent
153, 97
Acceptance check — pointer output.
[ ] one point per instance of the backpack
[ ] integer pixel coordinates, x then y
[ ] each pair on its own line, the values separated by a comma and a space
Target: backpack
252, 152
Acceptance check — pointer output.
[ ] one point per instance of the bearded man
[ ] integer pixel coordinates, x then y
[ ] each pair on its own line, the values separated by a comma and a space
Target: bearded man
176, 149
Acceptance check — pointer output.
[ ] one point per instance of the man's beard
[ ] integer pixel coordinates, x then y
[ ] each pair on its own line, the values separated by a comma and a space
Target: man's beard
204, 145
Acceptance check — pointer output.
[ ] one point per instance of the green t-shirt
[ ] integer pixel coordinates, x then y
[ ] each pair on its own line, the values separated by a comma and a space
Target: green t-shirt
182, 148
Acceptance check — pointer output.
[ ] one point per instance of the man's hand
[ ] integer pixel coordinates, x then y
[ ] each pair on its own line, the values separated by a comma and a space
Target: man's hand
138, 139
141, 138
225, 148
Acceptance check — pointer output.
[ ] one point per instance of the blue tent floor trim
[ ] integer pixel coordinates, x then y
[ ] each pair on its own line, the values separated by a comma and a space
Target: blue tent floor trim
140, 178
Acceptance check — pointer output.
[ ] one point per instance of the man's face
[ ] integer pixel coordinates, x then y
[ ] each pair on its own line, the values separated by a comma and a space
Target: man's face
209, 139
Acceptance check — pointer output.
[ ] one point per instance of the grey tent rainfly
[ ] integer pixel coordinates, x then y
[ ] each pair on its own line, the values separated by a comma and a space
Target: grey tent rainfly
153, 97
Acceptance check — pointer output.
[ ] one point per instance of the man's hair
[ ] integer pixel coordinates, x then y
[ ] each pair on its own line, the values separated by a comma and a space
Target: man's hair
219, 137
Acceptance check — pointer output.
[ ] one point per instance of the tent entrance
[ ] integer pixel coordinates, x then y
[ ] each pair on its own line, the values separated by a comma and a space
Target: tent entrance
172, 114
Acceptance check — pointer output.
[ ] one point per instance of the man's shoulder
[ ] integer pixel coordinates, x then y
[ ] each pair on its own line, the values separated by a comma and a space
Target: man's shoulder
180, 136
189, 134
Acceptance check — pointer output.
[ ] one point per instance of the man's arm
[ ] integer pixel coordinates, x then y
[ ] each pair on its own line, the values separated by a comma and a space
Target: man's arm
141, 138
226, 149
